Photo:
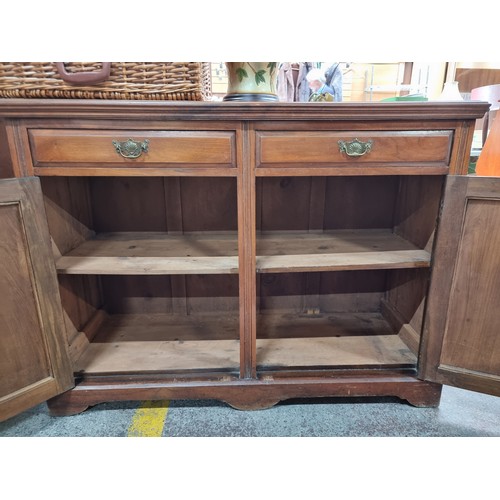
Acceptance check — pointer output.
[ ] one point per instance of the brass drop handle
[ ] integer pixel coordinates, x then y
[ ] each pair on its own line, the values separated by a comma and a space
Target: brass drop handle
355, 147
131, 149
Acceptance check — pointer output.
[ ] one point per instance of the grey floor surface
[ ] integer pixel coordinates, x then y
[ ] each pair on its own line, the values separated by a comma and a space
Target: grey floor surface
461, 413
423, 451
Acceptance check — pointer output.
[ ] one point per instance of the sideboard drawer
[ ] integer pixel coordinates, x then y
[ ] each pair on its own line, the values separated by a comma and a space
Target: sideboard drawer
129, 148
353, 148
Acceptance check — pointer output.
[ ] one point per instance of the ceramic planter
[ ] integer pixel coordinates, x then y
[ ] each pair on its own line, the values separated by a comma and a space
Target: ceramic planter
252, 81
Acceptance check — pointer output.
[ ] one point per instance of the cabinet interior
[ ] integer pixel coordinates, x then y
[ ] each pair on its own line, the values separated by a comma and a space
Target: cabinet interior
148, 271
149, 276
348, 289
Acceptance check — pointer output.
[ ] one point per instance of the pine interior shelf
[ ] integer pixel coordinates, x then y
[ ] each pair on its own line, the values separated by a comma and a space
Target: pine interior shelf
126, 343
153, 253
172, 356
338, 352
216, 253
294, 251
170, 342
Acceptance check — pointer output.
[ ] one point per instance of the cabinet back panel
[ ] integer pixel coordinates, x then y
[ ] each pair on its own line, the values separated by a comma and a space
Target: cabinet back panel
164, 204
281, 325
165, 294
208, 204
315, 203
137, 294
211, 293
76, 207
328, 292
283, 203
410, 204
360, 202
128, 204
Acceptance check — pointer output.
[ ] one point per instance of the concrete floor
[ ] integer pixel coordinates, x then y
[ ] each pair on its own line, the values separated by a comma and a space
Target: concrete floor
461, 413
284, 458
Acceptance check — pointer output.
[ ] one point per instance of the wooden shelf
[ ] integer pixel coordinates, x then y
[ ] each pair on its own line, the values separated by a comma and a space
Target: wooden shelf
130, 343
340, 250
334, 352
217, 253
160, 356
153, 253
224, 355
335, 340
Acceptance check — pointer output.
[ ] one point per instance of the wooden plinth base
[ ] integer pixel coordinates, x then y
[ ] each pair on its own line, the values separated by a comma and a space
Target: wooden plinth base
251, 394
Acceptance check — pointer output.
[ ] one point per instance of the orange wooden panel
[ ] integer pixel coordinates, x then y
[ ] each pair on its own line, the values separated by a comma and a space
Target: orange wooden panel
488, 162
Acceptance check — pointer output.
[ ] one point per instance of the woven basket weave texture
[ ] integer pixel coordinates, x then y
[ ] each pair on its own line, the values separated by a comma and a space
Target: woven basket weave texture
174, 81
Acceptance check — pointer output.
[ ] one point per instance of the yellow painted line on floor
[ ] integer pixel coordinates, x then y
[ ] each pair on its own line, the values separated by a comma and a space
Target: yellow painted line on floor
149, 419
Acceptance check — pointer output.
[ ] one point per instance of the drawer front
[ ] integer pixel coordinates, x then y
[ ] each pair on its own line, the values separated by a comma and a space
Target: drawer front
332, 149
112, 148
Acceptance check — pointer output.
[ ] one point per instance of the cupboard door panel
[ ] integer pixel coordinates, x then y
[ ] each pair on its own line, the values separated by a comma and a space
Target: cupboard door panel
34, 364
462, 347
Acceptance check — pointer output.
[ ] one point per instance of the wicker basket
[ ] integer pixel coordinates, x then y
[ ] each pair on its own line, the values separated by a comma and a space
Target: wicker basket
172, 81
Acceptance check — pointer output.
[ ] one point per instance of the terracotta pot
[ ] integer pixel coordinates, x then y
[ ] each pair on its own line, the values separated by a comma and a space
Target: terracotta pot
252, 81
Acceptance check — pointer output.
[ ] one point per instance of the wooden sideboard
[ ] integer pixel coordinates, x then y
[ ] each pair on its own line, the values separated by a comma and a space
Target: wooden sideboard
247, 252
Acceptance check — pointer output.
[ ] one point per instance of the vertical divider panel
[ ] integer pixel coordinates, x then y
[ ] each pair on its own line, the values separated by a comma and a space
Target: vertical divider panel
245, 145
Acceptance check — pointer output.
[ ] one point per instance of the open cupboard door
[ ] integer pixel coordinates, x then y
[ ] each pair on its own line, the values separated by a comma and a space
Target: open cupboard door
34, 363
462, 346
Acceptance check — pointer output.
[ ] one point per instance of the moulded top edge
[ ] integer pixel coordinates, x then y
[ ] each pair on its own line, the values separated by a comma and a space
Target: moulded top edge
189, 110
